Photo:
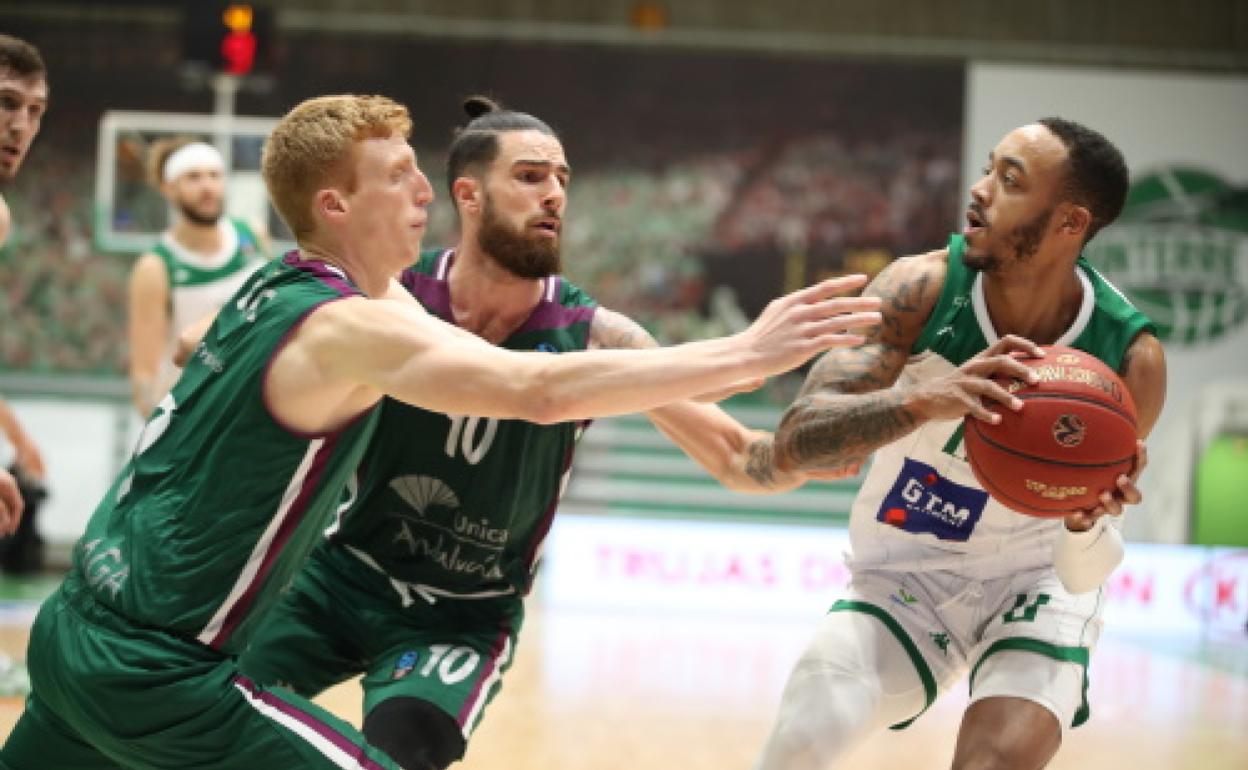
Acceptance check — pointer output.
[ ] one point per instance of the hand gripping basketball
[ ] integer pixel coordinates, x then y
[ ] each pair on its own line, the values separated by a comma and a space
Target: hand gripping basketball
1068, 446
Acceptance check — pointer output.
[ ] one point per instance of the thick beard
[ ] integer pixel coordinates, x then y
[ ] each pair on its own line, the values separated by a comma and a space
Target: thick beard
195, 217
522, 256
1024, 240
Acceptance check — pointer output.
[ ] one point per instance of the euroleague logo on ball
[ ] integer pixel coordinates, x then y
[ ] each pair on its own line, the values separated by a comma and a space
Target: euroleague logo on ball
1069, 430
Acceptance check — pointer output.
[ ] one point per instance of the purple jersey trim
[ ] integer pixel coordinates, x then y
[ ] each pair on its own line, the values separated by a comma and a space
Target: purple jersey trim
548, 518
553, 314
329, 275
496, 649
294, 517
434, 293
327, 731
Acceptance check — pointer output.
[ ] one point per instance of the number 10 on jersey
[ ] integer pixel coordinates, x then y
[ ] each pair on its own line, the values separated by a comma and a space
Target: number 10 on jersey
463, 437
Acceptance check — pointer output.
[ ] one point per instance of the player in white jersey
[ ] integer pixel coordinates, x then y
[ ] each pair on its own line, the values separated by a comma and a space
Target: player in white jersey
200, 261
945, 580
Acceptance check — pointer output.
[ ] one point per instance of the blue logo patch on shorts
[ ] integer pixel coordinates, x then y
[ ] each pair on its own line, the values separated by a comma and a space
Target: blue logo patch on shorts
924, 501
405, 664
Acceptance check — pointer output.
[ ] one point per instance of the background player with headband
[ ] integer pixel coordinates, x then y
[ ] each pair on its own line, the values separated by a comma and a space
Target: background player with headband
199, 262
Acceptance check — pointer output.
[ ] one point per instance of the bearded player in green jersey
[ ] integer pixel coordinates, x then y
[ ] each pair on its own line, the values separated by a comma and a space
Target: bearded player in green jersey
420, 584
132, 658
946, 580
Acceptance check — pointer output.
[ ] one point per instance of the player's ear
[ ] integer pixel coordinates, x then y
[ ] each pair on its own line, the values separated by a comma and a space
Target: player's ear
329, 204
467, 194
1076, 221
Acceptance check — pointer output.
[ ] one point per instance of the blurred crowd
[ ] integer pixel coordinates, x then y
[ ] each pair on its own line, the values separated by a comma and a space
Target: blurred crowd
62, 301
635, 236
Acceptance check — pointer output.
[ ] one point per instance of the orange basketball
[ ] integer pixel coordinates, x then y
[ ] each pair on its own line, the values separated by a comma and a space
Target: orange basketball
1072, 439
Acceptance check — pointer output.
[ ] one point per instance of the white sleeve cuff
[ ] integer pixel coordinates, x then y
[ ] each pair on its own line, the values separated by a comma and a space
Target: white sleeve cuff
1084, 560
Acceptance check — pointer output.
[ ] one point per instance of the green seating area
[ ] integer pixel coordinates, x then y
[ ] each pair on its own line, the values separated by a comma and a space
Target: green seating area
625, 466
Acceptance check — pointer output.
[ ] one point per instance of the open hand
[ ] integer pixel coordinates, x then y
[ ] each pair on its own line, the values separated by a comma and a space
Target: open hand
799, 325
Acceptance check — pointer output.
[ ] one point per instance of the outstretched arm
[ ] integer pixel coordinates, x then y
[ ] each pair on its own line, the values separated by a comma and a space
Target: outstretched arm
852, 403
390, 347
738, 457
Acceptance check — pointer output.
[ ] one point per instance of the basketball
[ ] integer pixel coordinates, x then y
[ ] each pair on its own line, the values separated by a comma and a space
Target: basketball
1074, 436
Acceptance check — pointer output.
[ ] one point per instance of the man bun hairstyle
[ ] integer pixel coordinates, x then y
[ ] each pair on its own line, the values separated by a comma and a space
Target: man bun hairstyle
475, 145
1096, 173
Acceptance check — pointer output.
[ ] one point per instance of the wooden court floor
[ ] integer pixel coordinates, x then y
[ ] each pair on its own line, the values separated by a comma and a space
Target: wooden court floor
599, 691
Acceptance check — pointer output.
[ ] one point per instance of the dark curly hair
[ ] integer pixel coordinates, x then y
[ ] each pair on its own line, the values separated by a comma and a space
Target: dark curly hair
1096, 173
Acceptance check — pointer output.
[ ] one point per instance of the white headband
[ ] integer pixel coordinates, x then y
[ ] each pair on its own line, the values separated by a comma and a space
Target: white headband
192, 156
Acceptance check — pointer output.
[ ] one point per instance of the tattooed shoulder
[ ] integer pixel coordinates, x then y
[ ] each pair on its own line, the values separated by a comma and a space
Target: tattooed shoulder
760, 462
612, 330
909, 288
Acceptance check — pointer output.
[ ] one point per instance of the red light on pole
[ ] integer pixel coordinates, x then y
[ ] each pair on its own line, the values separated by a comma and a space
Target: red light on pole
238, 47
238, 52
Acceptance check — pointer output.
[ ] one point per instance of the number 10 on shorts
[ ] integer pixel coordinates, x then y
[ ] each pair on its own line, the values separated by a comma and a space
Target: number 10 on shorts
453, 664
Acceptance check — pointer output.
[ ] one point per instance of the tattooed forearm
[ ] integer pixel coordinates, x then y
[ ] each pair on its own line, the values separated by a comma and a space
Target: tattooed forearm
849, 407
825, 431
760, 462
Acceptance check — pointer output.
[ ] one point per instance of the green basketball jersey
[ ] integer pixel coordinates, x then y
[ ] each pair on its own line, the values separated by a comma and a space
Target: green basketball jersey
240, 248
920, 507
1105, 326
455, 504
220, 503
201, 283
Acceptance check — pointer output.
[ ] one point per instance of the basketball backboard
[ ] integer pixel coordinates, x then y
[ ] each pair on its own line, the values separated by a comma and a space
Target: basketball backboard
130, 213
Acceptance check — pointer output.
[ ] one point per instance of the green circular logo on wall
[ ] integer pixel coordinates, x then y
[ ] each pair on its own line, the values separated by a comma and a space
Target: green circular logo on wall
1180, 253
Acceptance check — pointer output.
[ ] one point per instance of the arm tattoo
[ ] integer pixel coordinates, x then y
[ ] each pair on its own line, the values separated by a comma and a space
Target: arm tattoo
848, 408
822, 434
760, 462
612, 330
905, 299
